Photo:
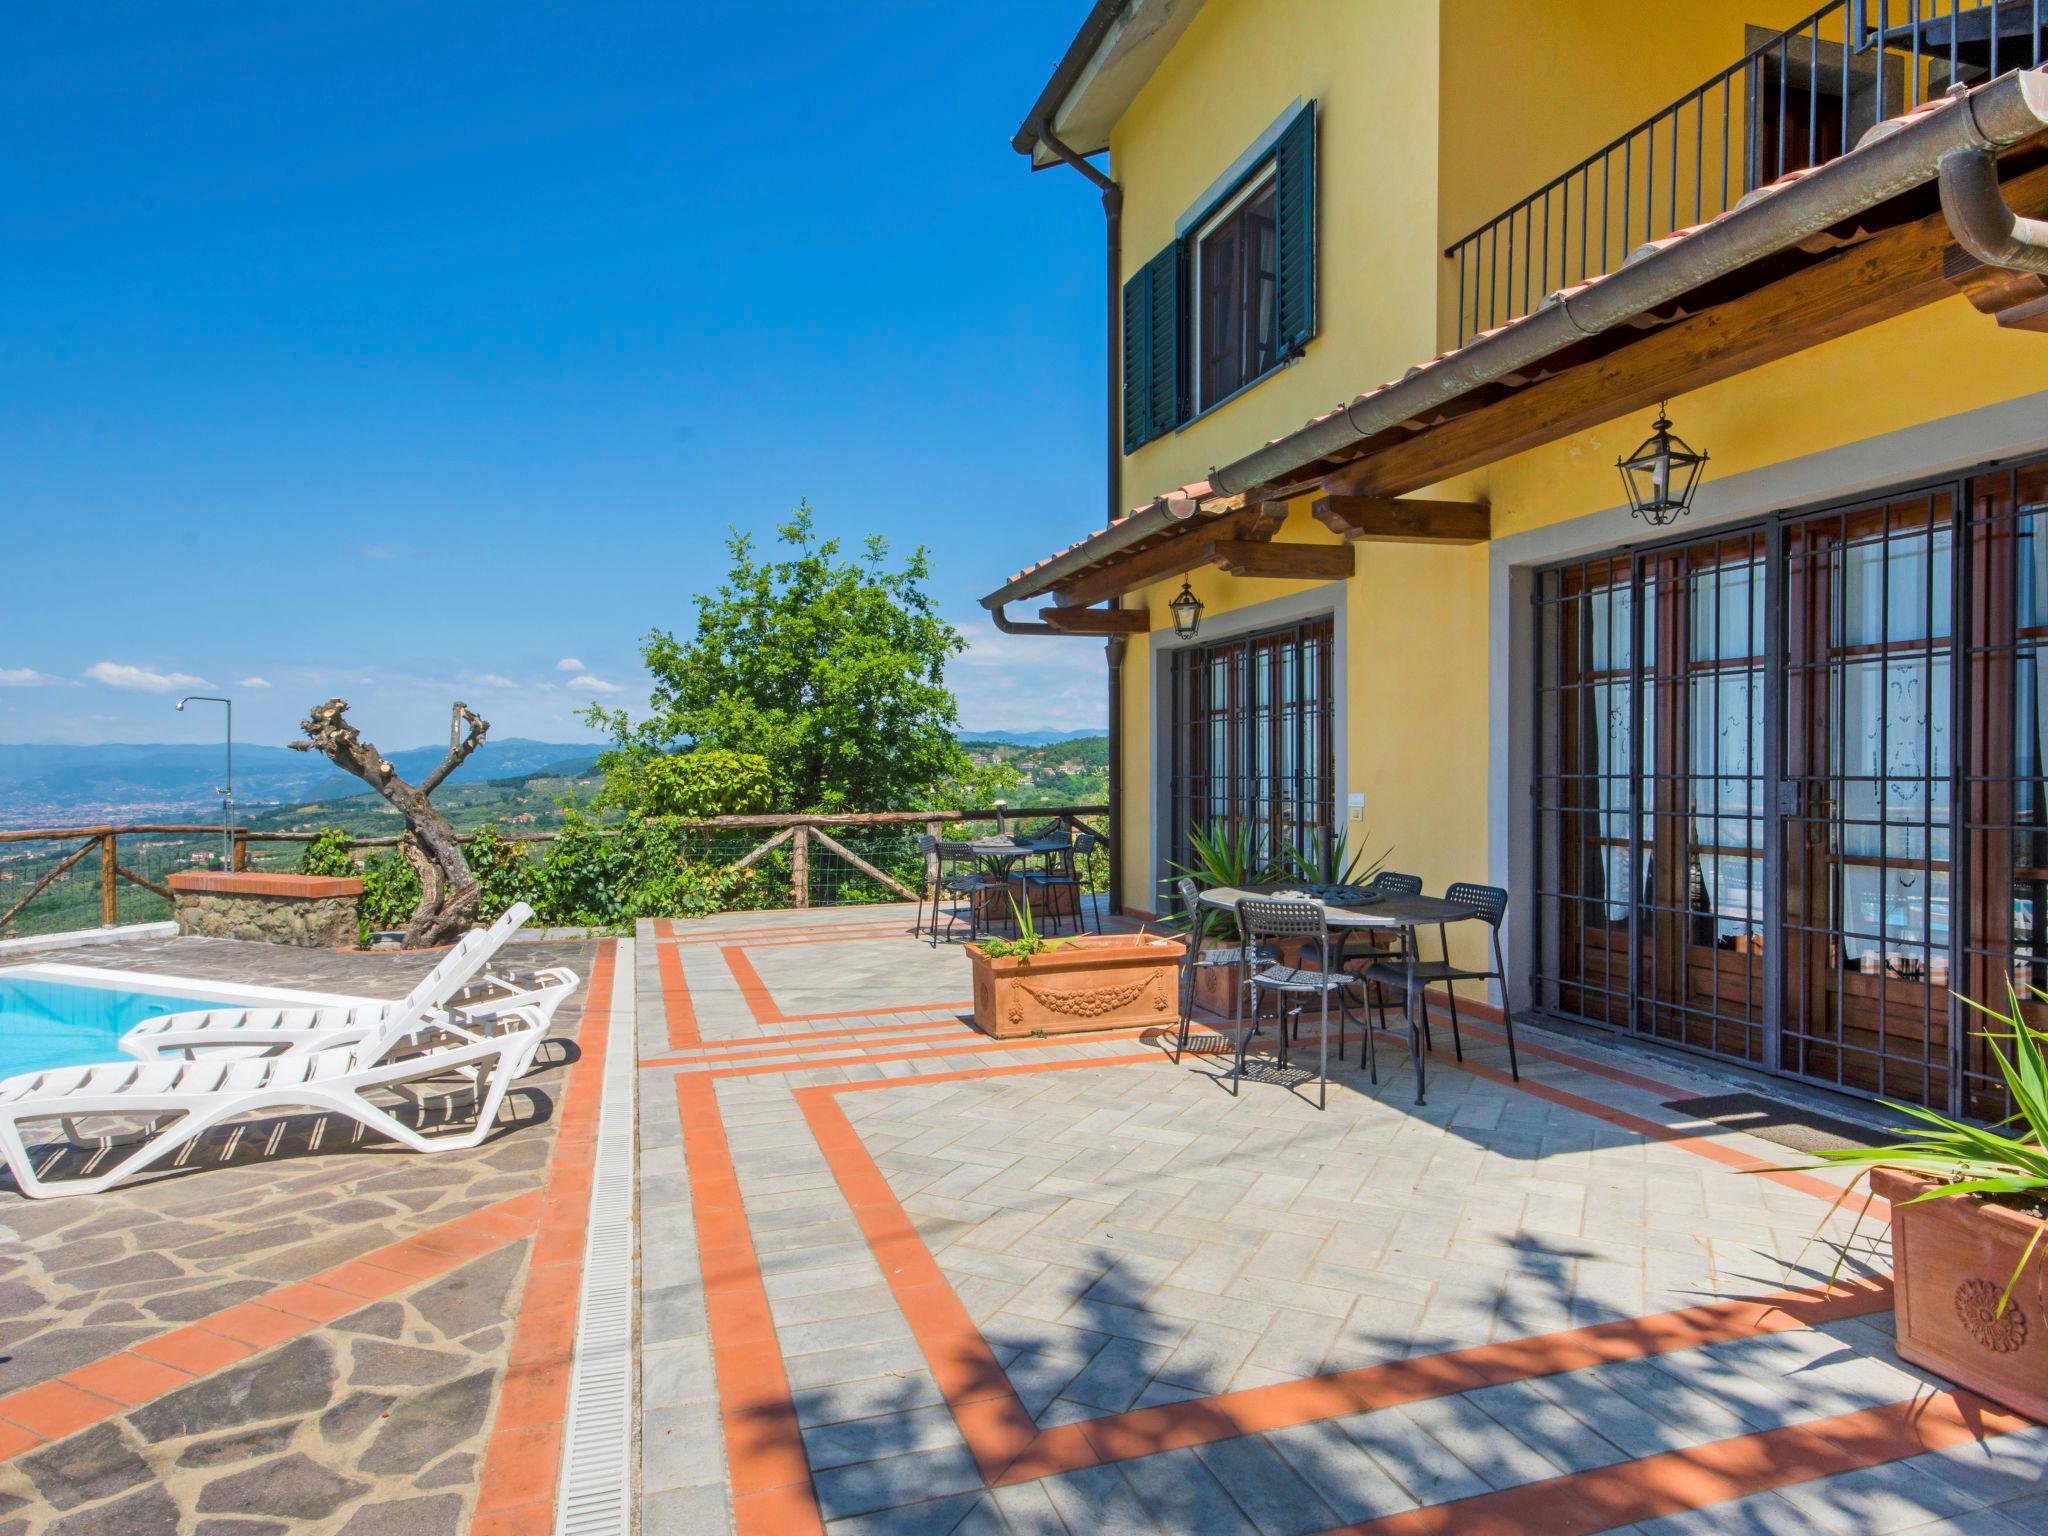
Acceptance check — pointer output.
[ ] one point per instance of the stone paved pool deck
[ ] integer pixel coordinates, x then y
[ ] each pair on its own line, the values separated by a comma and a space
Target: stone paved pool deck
897, 1277
302, 1329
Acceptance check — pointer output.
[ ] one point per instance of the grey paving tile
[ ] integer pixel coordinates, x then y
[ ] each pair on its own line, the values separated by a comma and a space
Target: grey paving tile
1182, 1496
1416, 1460
888, 1434
1098, 1502
675, 1373
864, 1487
865, 1399
681, 1447
829, 1367
685, 1511
1266, 1487
1876, 1500
839, 1332
1116, 1376
1355, 1486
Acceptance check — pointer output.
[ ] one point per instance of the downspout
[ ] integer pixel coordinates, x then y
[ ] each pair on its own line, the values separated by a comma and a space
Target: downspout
1113, 243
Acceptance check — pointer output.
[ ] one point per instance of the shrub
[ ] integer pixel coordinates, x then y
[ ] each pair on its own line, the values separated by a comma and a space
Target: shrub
709, 782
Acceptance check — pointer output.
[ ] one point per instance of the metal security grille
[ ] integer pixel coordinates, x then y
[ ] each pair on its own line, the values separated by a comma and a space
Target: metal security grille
1791, 783
1252, 740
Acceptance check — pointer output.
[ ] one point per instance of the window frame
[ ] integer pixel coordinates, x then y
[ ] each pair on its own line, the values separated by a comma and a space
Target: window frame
1259, 179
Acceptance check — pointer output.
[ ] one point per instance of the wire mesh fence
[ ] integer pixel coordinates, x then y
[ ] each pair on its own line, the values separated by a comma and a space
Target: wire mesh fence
54, 880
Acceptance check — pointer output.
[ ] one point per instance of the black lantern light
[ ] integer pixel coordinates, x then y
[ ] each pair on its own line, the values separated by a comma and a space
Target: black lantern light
1661, 475
1187, 613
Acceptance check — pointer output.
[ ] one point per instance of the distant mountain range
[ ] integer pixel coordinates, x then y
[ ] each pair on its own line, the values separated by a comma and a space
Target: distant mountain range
42, 783
1029, 738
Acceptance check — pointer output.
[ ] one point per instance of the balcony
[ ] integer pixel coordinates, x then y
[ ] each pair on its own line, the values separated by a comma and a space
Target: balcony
1794, 100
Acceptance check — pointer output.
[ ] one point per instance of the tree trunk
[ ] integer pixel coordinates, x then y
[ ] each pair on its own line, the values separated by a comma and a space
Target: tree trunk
448, 890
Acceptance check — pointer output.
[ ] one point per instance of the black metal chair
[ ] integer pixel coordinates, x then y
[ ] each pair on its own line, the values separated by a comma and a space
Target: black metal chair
1069, 872
1195, 959
965, 889
1490, 904
1260, 918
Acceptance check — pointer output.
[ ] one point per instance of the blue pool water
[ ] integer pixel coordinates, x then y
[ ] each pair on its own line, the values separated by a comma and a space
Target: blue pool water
51, 1024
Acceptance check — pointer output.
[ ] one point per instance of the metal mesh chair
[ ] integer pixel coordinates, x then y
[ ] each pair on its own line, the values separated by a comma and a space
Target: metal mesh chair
965, 889
1195, 959
1069, 873
1490, 904
1263, 918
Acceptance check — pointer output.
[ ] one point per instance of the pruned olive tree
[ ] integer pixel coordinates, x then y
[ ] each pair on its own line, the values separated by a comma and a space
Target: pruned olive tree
448, 890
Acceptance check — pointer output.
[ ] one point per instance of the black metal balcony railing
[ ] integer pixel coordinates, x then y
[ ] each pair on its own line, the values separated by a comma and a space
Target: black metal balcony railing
1794, 100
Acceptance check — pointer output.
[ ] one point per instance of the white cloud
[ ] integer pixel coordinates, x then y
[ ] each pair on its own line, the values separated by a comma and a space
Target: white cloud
119, 674
254, 682
493, 680
594, 684
385, 552
568, 664
26, 677
1029, 682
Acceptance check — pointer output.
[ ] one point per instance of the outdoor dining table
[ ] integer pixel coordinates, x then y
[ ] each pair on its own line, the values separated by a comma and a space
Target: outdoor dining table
1006, 851
1356, 909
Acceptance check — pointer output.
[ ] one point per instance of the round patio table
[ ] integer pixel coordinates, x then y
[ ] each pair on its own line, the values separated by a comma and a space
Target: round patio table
1356, 909
1006, 851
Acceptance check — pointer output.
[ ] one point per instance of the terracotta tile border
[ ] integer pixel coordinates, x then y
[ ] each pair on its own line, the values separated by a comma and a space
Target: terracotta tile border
675, 999
1701, 1476
764, 1449
762, 1005
665, 932
711, 1053
1008, 1445
149, 1368
980, 1046
522, 1459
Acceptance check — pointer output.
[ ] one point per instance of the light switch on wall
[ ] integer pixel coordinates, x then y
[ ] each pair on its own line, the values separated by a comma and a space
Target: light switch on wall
1357, 807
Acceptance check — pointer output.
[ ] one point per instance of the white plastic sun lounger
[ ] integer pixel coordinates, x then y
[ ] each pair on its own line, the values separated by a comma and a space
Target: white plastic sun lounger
411, 1057
242, 1032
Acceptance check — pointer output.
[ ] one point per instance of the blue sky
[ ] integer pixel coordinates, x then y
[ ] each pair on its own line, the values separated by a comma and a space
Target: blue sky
417, 351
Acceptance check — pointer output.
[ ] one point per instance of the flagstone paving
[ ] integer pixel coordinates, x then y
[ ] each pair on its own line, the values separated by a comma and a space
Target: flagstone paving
303, 1329
900, 1278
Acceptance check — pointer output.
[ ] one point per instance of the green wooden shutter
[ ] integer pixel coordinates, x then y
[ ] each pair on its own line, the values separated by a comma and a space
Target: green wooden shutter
1167, 397
1137, 306
1155, 399
1295, 214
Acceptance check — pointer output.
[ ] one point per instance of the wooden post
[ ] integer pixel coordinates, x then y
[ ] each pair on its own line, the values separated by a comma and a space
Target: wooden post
241, 849
107, 914
800, 868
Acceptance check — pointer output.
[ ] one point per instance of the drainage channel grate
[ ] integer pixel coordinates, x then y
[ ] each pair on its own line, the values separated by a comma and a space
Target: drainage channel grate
597, 1455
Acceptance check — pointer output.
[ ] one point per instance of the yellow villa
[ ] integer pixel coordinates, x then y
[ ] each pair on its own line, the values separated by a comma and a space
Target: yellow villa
1755, 745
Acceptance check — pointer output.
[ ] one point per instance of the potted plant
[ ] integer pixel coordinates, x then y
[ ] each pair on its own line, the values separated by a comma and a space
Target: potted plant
1969, 1209
1032, 985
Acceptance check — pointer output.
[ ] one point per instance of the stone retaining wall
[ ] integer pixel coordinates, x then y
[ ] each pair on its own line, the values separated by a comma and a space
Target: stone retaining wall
306, 911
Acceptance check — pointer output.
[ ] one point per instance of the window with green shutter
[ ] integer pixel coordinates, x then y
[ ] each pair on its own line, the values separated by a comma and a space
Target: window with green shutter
1233, 297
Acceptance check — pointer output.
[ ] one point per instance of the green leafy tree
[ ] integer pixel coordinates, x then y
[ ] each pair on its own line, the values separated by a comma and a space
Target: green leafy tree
830, 668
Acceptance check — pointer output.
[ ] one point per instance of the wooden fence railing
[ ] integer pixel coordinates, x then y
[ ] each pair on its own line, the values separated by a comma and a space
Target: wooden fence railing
798, 832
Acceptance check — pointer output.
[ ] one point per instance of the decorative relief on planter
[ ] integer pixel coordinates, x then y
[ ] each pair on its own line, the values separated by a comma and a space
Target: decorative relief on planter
1091, 1004
1977, 1308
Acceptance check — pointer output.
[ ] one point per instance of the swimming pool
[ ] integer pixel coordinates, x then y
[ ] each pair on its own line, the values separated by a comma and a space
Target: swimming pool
62, 1015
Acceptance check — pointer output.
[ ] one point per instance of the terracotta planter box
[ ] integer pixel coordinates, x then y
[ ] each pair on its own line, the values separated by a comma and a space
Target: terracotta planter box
1111, 981
1952, 1259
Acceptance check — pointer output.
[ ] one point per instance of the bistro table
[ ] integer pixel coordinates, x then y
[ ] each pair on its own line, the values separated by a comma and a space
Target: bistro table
1356, 909
1005, 851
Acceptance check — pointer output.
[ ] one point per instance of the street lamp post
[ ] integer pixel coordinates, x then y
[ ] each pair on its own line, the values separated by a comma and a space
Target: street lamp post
227, 793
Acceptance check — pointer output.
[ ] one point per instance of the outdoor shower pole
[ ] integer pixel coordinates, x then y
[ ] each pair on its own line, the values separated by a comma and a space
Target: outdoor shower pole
227, 794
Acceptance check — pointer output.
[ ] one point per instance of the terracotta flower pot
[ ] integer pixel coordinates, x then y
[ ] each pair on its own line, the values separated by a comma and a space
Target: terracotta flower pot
1110, 981
1952, 1259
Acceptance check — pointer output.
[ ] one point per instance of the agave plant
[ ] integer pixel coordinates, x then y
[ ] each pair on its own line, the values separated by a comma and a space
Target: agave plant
1338, 863
1220, 857
2006, 1163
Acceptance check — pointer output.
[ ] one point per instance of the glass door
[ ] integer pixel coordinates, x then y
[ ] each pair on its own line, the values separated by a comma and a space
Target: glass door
1865, 797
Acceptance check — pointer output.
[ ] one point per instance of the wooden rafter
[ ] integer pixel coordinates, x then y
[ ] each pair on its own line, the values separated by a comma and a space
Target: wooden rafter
1384, 520
1174, 555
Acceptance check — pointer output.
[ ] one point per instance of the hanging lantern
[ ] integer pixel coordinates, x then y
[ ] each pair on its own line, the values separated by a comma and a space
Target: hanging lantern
1187, 613
1661, 475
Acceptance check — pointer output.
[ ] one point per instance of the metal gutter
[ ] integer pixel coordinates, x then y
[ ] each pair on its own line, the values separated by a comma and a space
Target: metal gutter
1072, 65
1894, 157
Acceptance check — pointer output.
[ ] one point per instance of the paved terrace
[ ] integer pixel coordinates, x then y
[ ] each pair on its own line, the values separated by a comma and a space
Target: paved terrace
896, 1277
900, 1278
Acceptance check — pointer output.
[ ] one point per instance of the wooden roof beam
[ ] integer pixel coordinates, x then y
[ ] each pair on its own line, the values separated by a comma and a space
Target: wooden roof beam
1174, 555
1098, 621
1384, 520
1283, 562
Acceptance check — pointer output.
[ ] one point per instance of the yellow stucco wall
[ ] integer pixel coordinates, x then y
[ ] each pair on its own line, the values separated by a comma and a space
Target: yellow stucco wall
1408, 158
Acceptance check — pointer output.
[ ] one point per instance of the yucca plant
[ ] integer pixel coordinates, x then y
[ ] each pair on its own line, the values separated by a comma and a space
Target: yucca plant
1029, 940
1338, 863
2006, 1163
